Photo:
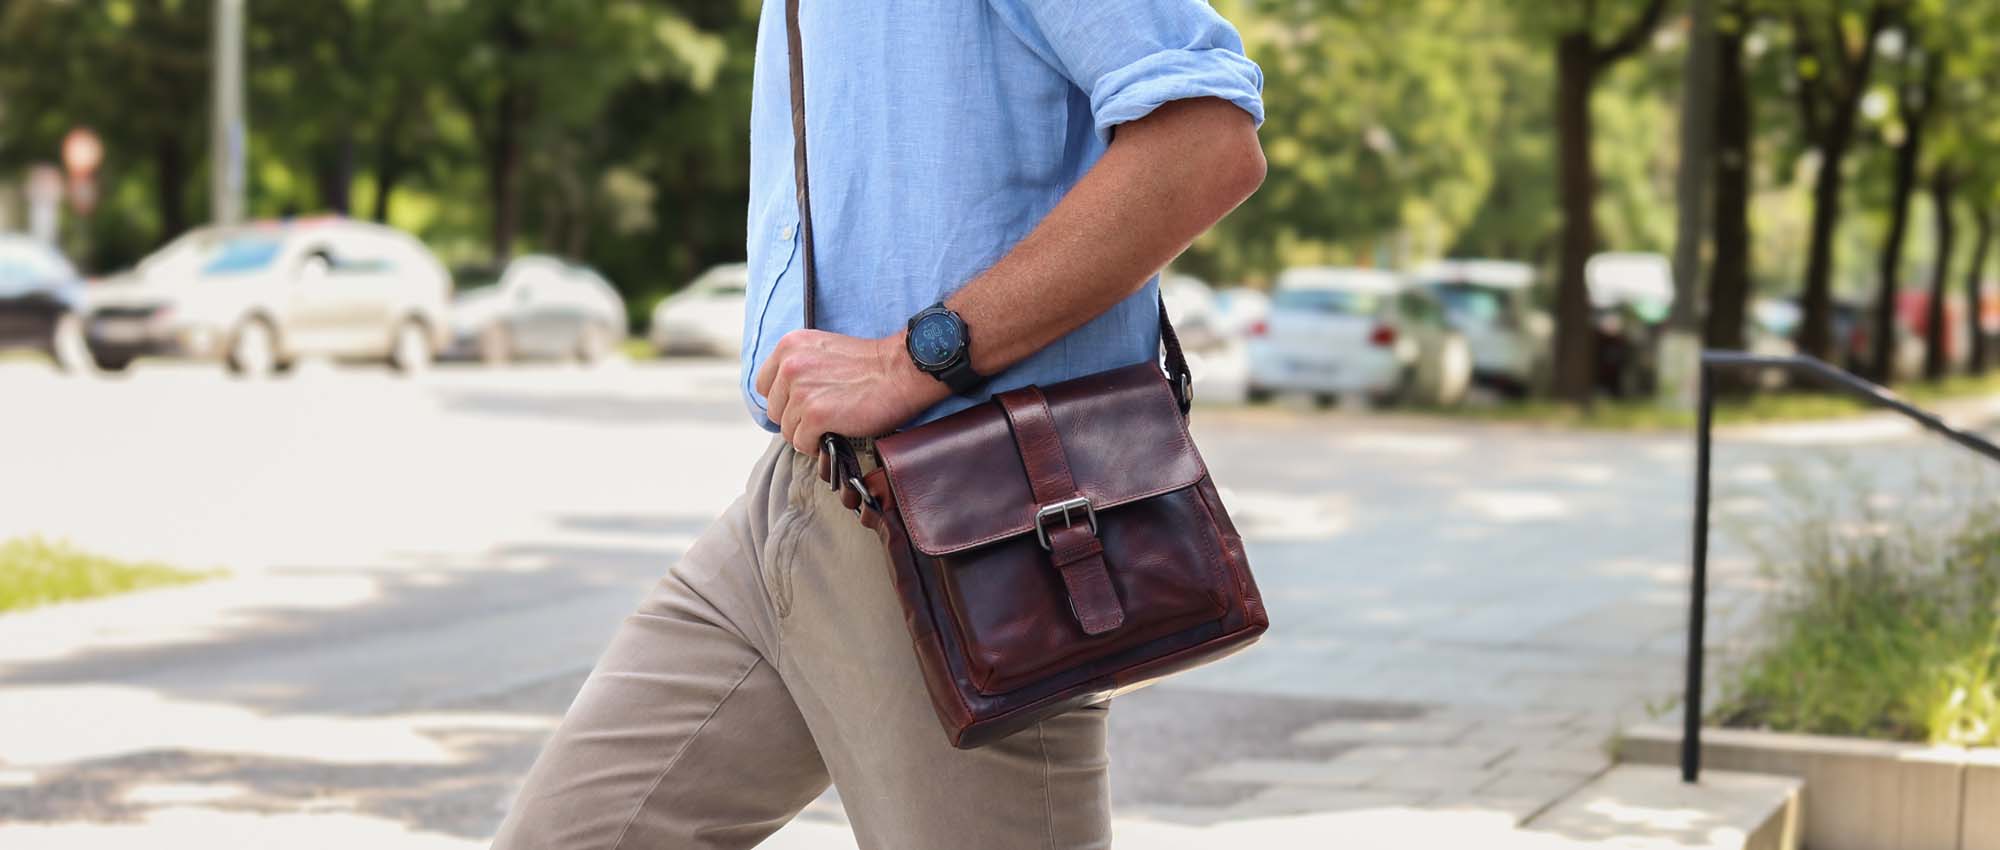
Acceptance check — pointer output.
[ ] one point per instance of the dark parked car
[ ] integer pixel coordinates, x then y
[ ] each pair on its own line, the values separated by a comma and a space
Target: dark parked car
41, 302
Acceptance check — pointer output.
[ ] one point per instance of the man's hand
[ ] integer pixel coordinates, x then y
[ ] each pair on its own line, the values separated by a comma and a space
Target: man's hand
817, 383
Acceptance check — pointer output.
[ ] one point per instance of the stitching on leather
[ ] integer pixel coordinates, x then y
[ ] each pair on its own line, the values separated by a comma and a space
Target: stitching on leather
1211, 533
669, 768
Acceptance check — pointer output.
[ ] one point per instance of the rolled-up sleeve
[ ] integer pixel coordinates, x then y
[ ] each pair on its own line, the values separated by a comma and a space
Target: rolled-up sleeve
1131, 56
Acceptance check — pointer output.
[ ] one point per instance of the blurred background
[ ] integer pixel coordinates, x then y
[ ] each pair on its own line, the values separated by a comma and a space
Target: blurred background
391, 346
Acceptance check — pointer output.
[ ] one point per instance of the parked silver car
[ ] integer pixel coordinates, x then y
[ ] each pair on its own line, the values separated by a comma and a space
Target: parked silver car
1490, 302
259, 297
41, 299
704, 318
540, 307
1352, 331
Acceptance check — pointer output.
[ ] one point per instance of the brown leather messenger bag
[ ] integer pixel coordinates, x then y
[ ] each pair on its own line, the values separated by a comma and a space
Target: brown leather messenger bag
1054, 546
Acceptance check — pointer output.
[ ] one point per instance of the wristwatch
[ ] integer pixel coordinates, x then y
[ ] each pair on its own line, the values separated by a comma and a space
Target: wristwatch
941, 348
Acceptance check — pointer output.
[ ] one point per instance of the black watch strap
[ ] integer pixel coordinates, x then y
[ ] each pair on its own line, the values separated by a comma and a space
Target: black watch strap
960, 377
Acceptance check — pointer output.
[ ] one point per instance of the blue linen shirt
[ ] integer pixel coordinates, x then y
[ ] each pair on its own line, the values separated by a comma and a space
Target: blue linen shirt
940, 132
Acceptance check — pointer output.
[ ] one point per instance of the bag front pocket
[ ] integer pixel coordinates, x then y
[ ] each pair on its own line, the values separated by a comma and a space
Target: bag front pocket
1012, 612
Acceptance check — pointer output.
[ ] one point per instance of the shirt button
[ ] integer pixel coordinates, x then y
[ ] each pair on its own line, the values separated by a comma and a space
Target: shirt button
786, 233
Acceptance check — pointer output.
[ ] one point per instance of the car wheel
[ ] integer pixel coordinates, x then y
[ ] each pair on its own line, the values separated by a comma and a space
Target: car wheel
253, 350
592, 345
495, 348
1397, 393
1326, 401
411, 353
69, 348
1257, 395
117, 363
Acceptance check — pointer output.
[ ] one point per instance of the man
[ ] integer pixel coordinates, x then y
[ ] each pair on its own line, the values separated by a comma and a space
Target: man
1031, 164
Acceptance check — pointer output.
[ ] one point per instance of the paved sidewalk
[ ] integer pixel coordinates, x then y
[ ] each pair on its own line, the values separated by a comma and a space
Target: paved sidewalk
1463, 614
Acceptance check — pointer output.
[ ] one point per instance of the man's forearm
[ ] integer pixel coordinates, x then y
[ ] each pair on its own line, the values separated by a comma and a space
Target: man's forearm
1165, 179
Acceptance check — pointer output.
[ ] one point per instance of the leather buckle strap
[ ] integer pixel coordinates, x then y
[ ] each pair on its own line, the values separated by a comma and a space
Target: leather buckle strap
1075, 550
839, 467
1064, 509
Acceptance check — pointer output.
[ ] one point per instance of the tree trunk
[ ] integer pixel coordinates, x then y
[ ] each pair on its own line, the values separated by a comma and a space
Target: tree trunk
1729, 294
171, 172
1882, 337
504, 175
1935, 364
336, 175
1975, 291
1697, 167
388, 171
1816, 327
1575, 340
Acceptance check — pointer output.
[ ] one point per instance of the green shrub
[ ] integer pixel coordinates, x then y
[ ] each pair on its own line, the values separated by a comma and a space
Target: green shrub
1886, 618
34, 572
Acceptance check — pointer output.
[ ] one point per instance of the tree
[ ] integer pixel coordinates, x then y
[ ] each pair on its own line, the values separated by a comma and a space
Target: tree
111, 67
1729, 291
1380, 130
1975, 282
1952, 113
1833, 57
1581, 58
1919, 73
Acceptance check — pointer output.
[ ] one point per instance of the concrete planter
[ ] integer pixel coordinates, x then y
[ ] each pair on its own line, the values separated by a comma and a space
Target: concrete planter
1859, 794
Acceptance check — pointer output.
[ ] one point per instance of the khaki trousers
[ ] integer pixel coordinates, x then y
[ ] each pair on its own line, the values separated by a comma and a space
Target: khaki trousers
771, 660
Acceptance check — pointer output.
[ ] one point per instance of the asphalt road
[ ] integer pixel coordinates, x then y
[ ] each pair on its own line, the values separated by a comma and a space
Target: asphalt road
421, 571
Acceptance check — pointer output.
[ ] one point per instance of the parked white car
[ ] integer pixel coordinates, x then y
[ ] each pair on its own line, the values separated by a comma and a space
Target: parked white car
540, 307
1340, 331
41, 299
706, 317
1489, 301
1240, 308
1215, 351
261, 296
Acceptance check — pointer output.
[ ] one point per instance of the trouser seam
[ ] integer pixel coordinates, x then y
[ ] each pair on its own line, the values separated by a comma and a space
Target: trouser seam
678, 754
1048, 798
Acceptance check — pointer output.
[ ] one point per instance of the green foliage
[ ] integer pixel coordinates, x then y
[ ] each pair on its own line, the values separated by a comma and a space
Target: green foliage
1398, 130
35, 572
1887, 621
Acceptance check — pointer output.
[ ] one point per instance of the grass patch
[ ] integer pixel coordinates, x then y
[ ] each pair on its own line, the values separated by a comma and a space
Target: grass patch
1759, 409
35, 572
638, 349
1887, 624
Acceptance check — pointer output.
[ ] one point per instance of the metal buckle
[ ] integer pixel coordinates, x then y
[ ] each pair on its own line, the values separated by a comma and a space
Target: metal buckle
1064, 509
828, 445
866, 501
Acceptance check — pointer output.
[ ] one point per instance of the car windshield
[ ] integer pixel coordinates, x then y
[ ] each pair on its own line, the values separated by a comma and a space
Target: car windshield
241, 255
1333, 301
1468, 302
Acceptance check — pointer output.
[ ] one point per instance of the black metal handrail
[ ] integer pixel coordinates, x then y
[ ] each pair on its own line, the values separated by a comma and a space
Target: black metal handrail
1825, 375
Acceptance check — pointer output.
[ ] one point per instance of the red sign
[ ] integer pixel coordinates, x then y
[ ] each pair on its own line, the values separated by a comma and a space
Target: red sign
82, 153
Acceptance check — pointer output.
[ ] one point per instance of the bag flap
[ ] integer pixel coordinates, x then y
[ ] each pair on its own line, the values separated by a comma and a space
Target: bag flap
959, 482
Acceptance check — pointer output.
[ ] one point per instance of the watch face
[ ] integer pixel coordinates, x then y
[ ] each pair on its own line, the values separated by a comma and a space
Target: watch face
935, 340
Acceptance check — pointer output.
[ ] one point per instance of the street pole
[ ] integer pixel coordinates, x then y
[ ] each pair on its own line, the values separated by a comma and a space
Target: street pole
1680, 349
228, 136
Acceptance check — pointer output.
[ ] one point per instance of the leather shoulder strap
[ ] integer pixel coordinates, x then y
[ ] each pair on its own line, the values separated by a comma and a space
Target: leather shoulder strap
1177, 368
794, 51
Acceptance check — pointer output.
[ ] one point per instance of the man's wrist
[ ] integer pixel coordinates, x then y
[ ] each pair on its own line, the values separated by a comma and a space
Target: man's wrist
908, 382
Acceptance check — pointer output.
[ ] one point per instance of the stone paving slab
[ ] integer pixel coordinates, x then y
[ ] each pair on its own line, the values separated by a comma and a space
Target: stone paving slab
1646, 806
